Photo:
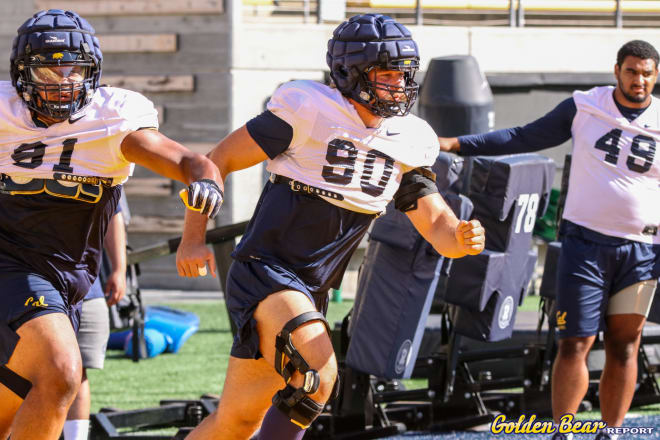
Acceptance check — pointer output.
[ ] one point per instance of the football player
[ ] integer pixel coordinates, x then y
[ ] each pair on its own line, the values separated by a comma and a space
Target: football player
66, 146
94, 323
337, 156
608, 265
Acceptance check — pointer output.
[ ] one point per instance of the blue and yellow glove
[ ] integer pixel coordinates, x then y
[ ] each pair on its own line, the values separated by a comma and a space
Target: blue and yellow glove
203, 196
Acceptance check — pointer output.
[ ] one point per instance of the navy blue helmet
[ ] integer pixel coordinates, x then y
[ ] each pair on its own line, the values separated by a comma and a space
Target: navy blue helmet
56, 63
368, 41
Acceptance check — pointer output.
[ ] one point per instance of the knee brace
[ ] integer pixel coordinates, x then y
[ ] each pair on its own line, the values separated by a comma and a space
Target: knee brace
16, 384
295, 402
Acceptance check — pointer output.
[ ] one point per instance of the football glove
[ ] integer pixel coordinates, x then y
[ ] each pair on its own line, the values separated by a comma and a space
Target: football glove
203, 196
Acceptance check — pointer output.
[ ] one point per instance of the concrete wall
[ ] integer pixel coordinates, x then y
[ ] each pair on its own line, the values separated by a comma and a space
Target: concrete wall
266, 55
188, 78
234, 66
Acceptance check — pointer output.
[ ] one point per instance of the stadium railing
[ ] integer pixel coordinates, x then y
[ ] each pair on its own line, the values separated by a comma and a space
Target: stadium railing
618, 13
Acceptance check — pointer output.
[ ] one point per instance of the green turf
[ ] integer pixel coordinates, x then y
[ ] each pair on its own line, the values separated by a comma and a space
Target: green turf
200, 365
198, 368
530, 304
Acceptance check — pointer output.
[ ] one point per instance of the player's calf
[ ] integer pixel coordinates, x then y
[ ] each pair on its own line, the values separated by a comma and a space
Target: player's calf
47, 355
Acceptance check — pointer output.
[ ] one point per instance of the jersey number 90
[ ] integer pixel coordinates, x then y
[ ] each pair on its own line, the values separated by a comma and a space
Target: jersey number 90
343, 167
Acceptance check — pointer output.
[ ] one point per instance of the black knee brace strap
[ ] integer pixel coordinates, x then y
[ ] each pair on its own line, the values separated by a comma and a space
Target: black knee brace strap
297, 406
295, 402
284, 346
17, 384
8, 341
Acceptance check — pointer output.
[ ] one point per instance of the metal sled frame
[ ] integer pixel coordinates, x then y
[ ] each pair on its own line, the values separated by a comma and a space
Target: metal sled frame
185, 414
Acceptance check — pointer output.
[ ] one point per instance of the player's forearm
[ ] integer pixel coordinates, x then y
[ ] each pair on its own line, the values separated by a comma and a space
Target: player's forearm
194, 227
506, 141
164, 156
443, 236
548, 131
197, 167
437, 223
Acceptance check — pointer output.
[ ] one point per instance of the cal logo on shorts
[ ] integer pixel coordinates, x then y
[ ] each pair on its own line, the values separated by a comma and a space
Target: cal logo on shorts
561, 320
36, 303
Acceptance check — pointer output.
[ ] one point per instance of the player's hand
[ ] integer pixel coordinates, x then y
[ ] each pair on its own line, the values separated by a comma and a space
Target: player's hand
115, 287
449, 144
471, 237
203, 196
192, 258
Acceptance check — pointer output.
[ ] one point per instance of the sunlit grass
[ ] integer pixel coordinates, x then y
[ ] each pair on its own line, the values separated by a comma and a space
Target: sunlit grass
198, 368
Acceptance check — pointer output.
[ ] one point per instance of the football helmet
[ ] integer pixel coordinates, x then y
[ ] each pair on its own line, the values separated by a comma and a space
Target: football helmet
369, 41
56, 63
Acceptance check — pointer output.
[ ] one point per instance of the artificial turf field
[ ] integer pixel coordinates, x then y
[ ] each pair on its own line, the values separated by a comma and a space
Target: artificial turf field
199, 368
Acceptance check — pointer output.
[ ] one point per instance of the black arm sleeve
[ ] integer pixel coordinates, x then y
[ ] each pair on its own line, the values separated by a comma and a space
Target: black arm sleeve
273, 134
415, 184
548, 131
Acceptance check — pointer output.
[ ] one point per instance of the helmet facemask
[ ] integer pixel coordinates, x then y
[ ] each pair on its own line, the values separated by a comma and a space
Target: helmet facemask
57, 84
393, 100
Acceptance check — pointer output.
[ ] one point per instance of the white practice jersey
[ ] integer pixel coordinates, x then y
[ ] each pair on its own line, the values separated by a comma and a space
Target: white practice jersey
88, 147
333, 150
614, 185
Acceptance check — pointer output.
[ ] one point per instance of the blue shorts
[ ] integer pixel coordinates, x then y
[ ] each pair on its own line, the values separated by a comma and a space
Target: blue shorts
24, 296
591, 268
249, 283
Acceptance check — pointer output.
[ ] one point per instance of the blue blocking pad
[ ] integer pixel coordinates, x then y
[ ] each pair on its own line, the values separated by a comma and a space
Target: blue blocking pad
448, 169
509, 193
155, 342
398, 280
489, 292
391, 309
175, 326
401, 272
